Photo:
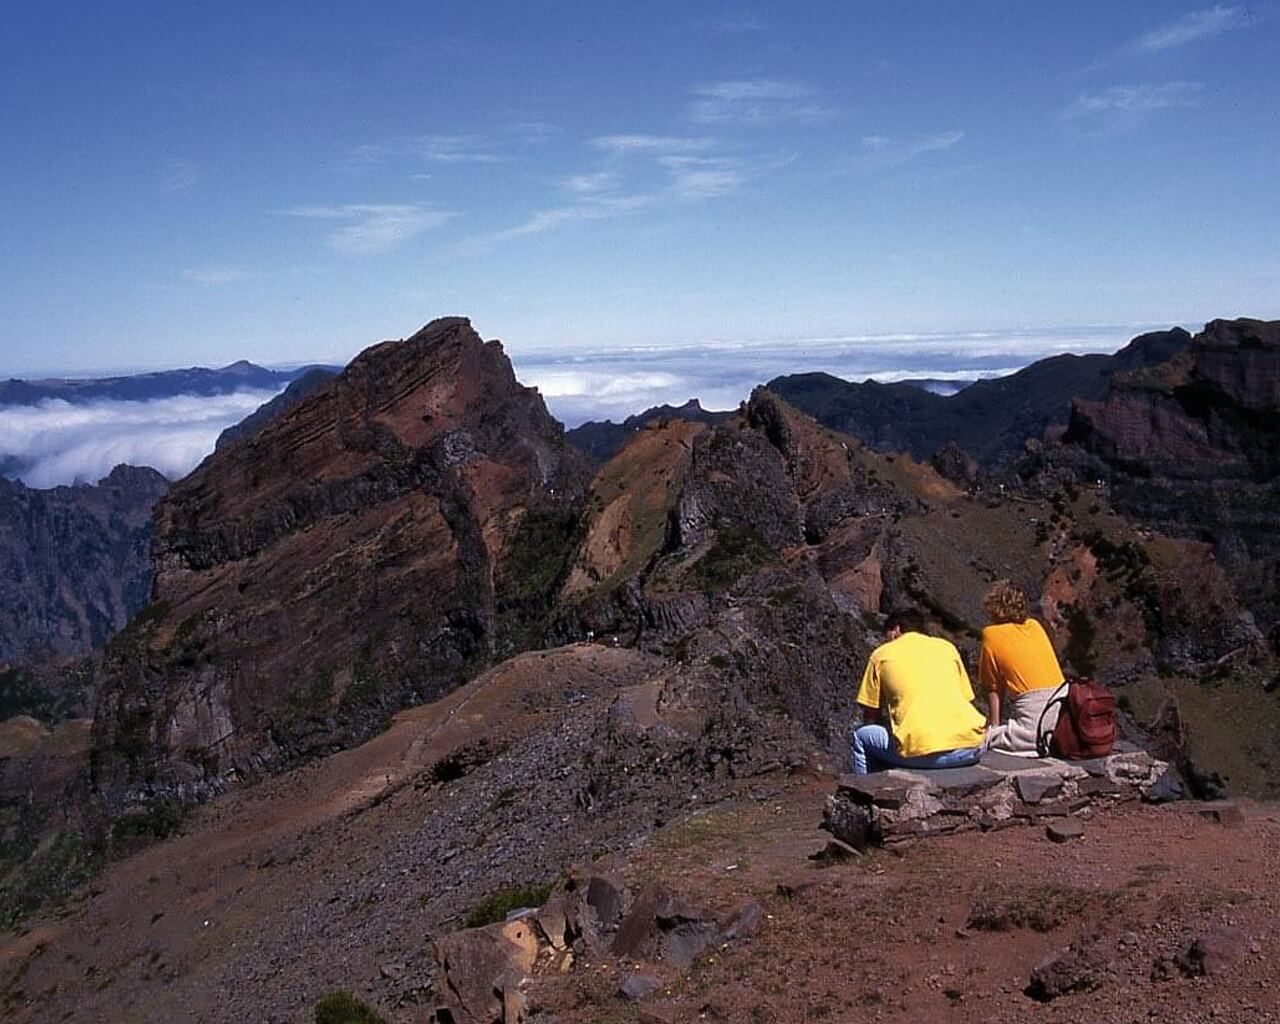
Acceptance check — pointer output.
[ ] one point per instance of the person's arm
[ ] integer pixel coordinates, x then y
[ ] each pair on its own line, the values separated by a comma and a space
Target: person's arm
993, 707
868, 697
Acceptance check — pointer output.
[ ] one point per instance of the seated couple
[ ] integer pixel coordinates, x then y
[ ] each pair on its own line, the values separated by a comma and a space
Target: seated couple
921, 684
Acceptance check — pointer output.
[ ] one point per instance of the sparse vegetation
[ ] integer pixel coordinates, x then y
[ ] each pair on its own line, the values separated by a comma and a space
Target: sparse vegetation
736, 551
498, 905
1040, 908
341, 1007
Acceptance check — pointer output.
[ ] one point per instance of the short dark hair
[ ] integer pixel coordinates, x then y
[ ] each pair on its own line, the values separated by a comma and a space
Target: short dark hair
909, 620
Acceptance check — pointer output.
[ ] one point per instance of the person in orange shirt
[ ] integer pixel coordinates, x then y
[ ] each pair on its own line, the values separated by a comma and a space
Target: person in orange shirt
1019, 671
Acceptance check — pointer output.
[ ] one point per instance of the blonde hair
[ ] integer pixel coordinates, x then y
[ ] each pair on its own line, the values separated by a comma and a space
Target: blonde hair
1005, 603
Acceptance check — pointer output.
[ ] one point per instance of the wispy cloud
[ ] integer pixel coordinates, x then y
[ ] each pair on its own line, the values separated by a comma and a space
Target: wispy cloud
592, 183
369, 228
757, 101
696, 177
622, 145
438, 149
215, 275
743, 21
179, 175
893, 150
534, 131
1122, 107
1194, 25
593, 208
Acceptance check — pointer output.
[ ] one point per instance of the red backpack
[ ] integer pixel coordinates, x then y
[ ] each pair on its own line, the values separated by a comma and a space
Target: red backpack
1086, 722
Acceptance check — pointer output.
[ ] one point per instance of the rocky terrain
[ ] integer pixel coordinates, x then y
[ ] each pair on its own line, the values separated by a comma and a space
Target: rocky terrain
1192, 447
75, 563
643, 671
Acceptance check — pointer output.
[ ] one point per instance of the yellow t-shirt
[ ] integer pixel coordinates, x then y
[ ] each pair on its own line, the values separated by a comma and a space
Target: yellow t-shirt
1018, 657
922, 684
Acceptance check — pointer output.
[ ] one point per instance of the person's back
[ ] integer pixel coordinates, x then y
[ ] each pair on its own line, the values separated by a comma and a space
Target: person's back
1019, 671
1017, 657
922, 685
926, 691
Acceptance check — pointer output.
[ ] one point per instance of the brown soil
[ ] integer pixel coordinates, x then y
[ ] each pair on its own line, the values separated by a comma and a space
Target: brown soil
949, 929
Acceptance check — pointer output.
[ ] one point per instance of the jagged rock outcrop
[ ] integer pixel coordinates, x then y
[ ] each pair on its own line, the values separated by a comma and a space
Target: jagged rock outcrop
74, 562
1192, 447
378, 544
990, 419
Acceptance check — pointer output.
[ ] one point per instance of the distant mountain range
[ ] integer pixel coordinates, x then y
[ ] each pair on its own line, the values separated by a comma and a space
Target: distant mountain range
140, 387
989, 419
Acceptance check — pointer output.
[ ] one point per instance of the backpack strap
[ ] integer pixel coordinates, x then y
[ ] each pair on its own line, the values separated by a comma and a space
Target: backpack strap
1042, 737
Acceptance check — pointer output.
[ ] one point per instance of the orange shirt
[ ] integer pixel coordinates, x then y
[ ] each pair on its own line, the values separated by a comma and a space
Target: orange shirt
1018, 657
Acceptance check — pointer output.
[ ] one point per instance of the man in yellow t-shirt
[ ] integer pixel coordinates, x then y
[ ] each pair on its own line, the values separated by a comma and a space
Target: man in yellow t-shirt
921, 683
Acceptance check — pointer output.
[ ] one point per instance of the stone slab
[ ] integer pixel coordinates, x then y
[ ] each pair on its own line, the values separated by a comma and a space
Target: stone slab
884, 789
957, 781
998, 760
1036, 787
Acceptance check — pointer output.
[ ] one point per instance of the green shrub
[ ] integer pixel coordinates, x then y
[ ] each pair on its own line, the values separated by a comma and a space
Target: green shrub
342, 1007
497, 906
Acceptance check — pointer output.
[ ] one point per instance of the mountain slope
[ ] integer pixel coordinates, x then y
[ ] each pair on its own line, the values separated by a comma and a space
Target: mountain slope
1193, 447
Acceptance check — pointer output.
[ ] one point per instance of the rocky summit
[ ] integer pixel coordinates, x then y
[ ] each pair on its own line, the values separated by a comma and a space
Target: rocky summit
375, 546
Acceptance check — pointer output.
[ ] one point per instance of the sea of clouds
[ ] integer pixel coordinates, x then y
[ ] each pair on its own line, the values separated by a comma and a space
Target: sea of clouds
58, 442
616, 383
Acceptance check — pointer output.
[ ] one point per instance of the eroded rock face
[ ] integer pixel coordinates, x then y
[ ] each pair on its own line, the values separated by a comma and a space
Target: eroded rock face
376, 545
1193, 447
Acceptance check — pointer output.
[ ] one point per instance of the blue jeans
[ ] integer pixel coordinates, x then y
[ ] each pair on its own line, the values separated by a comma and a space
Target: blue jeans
873, 749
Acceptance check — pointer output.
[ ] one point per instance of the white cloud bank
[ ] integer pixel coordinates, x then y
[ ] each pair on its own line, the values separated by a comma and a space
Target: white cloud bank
58, 442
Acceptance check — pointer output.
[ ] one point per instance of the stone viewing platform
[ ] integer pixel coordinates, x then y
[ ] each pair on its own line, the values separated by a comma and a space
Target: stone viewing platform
900, 805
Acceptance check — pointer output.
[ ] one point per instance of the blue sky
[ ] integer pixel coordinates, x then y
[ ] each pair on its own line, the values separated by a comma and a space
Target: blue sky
194, 183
